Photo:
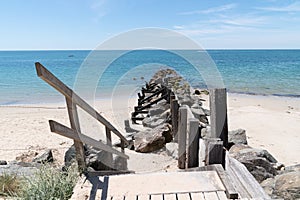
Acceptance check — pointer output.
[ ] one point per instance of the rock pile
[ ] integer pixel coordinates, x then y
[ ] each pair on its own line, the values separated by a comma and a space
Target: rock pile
156, 119
277, 180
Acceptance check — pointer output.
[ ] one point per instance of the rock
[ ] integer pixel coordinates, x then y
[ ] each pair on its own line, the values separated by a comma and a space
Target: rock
258, 162
172, 149
286, 186
98, 160
159, 109
153, 122
19, 168
3, 162
46, 157
153, 139
293, 168
197, 92
237, 137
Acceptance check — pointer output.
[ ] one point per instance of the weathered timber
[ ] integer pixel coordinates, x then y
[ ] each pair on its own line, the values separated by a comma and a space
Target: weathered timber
150, 103
48, 77
245, 178
214, 152
182, 133
107, 173
231, 192
193, 148
140, 102
109, 143
218, 114
74, 122
230, 189
174, 116
73, 134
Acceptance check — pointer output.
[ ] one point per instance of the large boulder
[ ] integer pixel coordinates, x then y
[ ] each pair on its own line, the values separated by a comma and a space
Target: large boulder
260, 163
237, 137
153, 139
46, 157
285, 185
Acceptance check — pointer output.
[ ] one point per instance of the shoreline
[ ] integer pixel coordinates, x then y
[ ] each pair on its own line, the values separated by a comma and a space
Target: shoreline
245, 94
271, 123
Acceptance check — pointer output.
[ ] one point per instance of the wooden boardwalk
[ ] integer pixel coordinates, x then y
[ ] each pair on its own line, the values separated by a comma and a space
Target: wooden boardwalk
161, 186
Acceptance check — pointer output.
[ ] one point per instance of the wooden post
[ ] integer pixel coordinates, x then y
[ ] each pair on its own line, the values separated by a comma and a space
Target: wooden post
124, 161
74, 121
218, 116
182, 131
193, 148
174, 116
214, 152
109, 157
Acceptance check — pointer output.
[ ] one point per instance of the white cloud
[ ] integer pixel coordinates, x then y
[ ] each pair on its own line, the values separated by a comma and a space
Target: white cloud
211, 10
294, 7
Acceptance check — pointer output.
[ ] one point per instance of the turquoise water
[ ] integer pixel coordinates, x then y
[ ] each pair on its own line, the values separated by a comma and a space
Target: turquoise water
264, 72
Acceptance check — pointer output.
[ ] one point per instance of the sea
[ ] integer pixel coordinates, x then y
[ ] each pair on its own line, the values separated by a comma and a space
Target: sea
101, 73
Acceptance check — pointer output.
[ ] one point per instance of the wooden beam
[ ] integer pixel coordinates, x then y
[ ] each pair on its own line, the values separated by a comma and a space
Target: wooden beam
108, 142
74, 122
214, 152
246, 179
73, 134
218, 115
182, 133
193, 148
230, 190
48, 77
174, 116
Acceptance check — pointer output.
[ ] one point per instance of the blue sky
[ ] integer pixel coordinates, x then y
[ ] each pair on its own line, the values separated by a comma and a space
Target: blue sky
84, 24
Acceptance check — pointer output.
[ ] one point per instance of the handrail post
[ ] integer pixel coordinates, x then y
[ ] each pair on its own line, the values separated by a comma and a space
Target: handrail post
109, 157
182, 132
193, 148
74, 122
218, 117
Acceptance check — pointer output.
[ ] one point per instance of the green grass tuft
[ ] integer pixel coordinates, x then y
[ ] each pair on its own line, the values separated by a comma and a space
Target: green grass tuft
10, 185
49, 183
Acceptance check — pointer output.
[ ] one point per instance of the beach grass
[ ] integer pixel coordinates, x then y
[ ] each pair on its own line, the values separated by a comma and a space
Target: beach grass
10, 185
50, 183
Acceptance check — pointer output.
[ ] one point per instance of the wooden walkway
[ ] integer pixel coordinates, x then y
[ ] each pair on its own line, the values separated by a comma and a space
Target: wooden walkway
161, 186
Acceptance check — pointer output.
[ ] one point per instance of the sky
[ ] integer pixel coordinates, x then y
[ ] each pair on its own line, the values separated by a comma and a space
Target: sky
84, 24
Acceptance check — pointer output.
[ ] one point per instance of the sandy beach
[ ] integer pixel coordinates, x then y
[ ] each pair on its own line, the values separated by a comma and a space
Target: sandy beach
271, 123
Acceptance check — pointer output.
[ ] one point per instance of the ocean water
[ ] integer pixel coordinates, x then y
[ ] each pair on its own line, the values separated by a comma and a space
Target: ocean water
258, 72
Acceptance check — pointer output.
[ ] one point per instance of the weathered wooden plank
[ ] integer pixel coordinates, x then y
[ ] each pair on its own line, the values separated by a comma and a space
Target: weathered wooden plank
183, 196
182, 133
130, 197
169, 196
174, 116
159, 183
231, 192
215, 152
74, 122
221, 195
107, 173
218, 115
211, 195
73, 134
193, 148
109, 156
117, 198
156, 197
48, 77
143, 197
197, 196
249, 182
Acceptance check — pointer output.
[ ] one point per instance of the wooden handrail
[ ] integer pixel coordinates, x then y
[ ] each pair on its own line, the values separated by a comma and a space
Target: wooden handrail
72, 134
48, 77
